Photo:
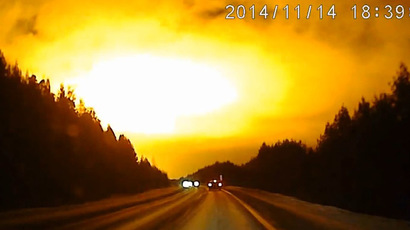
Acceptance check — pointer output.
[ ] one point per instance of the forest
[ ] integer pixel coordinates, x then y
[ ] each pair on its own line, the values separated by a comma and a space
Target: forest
361, 162
55, 152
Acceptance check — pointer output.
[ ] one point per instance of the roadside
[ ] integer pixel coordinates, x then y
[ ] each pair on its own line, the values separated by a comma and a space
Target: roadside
57, 216
285, 212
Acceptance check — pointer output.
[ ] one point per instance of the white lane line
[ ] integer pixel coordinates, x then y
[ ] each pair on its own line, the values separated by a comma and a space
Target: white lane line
253, 212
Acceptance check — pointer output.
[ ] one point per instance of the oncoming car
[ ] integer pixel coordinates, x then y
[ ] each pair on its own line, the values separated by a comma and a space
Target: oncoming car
190, 184
187, 184
215, 184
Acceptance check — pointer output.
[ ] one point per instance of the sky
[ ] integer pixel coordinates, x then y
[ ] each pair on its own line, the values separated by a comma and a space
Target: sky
190, 87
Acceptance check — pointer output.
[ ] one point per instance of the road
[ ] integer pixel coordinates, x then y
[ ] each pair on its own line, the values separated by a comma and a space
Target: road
220, 210
196, 208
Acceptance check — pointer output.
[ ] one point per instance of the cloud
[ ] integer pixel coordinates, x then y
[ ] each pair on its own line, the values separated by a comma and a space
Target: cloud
214, 13
24, 26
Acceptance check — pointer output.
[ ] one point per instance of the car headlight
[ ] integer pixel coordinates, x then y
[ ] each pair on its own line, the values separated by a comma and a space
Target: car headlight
186, 184
209, 184
220, 184
196, 183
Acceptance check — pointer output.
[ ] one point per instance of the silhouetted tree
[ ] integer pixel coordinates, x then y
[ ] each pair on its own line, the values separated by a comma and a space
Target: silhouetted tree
53, 153
361, 162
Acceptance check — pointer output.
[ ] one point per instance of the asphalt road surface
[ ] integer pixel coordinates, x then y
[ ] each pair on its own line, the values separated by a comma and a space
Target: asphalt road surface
220, 210
196, 208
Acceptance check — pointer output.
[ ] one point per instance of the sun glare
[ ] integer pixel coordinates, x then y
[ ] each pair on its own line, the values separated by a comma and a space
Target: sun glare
146, 94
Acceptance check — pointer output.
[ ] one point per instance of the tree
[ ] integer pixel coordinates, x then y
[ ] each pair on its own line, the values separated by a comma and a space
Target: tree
53, 152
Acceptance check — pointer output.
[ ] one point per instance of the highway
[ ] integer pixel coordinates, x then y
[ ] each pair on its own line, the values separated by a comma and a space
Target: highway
219, 210
196, 208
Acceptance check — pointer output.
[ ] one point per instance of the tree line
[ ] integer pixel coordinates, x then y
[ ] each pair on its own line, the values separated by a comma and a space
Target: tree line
54, 151
361, 161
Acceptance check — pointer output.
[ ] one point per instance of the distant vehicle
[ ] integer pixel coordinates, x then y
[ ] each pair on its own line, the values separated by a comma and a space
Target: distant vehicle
187, 184
215, 184
190, 184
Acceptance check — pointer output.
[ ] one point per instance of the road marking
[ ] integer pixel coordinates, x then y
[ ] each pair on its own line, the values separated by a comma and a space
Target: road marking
253, 212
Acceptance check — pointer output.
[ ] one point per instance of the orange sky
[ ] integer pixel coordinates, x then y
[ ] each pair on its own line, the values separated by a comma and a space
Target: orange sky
190, 87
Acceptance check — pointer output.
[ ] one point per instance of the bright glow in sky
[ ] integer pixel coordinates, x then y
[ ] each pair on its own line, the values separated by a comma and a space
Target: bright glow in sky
190, 87
146, 94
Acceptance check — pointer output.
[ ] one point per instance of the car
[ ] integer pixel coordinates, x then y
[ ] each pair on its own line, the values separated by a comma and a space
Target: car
189, 183
215, 184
